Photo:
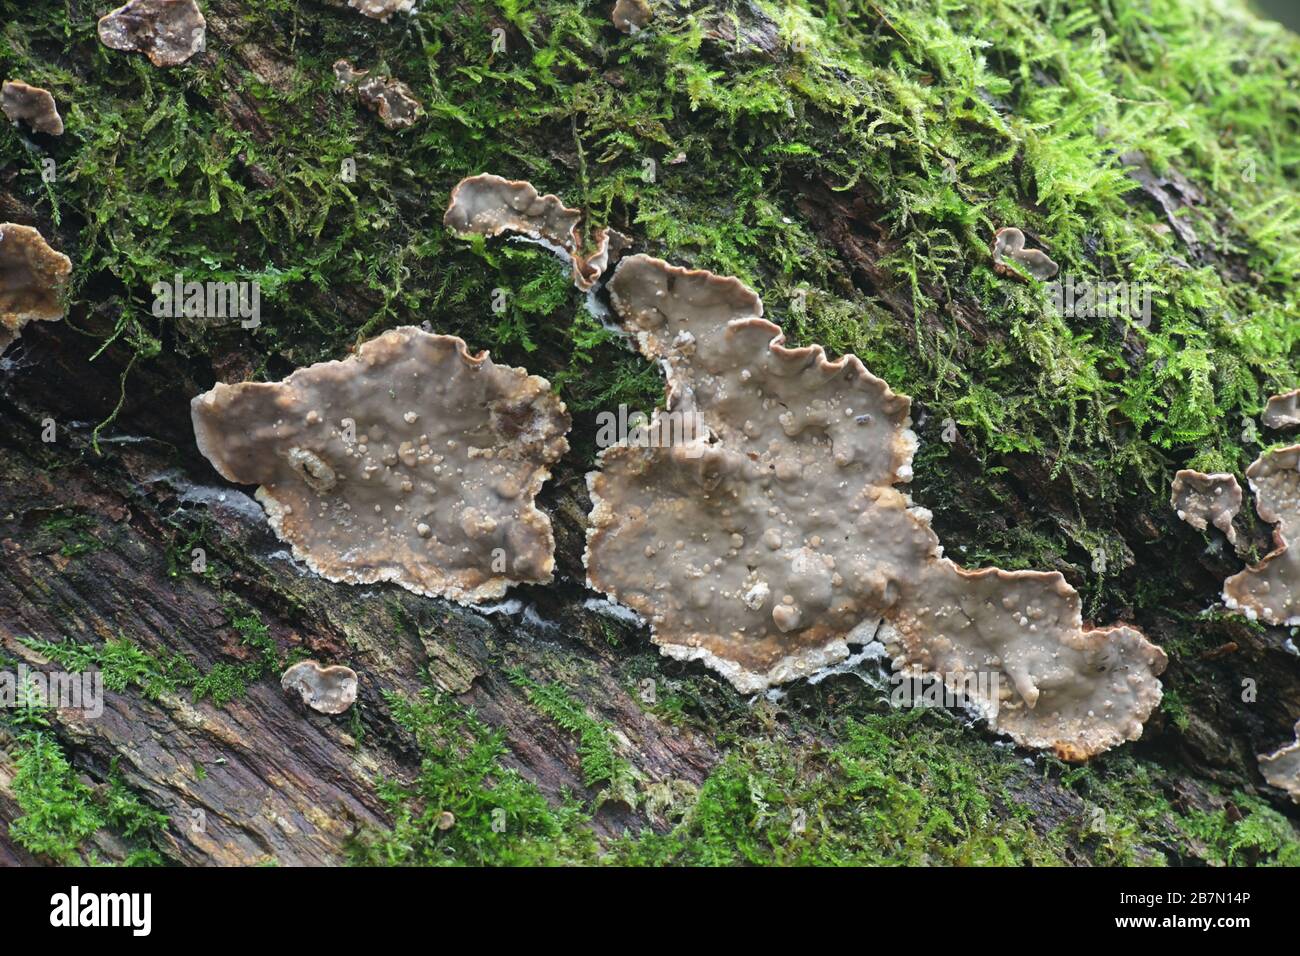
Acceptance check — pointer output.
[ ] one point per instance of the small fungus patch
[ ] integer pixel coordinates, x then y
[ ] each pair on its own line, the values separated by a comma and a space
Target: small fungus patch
328, 690
1283, 411
1281, 768
488, 205
169, 32
32, 105
765, 546
631, 16
1270, 590
32, 277
1202, 500
381, 9
1009, 243
411, 461
389, 99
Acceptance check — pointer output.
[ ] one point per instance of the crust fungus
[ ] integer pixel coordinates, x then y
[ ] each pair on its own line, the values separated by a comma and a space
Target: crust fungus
32, 277
391, 100
32, 105
1009, 243
488, 205
631, 16
769, 544
411, 461
381, 9
1270, 590
1202, 500
328, 690
1281, 768
169, 32
1283, 411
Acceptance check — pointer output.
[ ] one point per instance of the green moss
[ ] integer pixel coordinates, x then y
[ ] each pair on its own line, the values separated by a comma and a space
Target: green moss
60, 812
71, 532
1127, 812
499, 818
121, 662
1252, 833
124, 664
895, 789
602, 767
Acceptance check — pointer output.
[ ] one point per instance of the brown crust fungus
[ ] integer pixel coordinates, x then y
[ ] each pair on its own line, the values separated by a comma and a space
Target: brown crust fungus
327, 690
1281, 768
410, 461
631, 16
389, 99
381, 10
1202, 500
31, 105
488, 205
1270, 590
769, 544
169, 32
1009, 243
1283, 411
32, 278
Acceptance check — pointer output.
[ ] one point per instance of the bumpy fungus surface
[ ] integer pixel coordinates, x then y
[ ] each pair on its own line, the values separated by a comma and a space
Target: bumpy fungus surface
31, 105
32, 276
1202, 500
411, 461
1283, 411
169, 32
1009, 243
767, 546
381, 9
329, 690
631, 15
1282, 767
1270, 591
489, 205
391, 100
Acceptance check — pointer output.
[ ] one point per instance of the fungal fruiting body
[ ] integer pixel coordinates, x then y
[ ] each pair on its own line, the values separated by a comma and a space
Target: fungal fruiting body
1283, 411
32, 105
765, 546
1270, 590
1009, 243
328, 690
169, 32
1281, 768
631, 16
488, 205
381, 9
32, 278
411, 461
389, 99
1202, 500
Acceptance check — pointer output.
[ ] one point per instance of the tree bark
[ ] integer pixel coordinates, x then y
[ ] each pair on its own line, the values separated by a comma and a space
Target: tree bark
281, 783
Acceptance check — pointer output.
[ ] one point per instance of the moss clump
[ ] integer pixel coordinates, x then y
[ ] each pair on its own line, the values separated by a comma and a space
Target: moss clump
124, 664
71, 533
499, 817
602, 767
59, 812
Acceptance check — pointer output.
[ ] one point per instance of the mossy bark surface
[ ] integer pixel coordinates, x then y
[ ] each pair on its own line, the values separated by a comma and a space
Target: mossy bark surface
851, 162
